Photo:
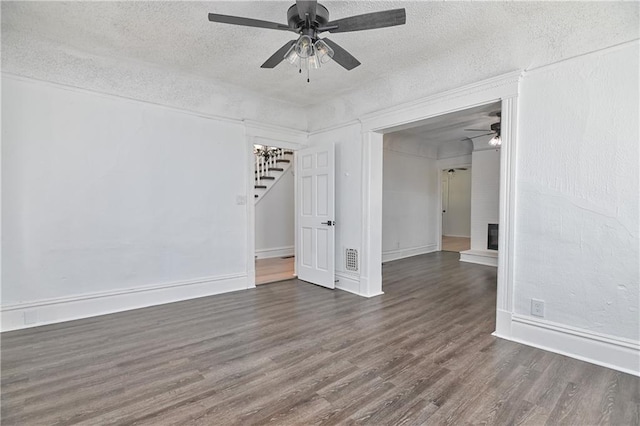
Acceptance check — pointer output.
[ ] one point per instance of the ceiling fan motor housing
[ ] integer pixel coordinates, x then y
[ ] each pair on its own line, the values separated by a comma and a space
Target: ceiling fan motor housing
294, 21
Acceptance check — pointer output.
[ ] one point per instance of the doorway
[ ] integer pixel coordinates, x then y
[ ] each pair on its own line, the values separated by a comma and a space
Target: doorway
456, 209
503, 90
274, 198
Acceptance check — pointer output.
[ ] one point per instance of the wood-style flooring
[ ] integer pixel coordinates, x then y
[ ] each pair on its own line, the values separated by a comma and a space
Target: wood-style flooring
456, 244
293, 353
274, 269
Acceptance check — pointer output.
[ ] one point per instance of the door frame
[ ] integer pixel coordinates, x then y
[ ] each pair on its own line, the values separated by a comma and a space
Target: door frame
504, 89
281, 137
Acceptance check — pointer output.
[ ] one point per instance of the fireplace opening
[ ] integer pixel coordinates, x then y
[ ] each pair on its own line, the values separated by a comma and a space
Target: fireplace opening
492, 237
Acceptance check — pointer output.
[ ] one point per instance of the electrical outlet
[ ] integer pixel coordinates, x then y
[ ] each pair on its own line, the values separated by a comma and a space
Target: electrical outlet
537, 308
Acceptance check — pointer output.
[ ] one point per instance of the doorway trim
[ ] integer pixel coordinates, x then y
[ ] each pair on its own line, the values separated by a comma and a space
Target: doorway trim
502, 89
281, 137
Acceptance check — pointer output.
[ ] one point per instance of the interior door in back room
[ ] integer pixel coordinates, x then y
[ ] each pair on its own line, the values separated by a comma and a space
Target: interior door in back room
315, 207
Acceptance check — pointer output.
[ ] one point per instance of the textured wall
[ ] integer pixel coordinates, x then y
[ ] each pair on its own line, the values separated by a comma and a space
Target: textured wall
103, 194
409, 201
275, 215
577, 193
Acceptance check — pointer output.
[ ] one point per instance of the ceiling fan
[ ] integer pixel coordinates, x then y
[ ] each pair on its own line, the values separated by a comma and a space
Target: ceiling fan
495, 130
309, 19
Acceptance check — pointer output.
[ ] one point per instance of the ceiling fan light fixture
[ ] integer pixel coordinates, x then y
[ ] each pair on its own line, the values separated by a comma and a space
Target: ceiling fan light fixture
496, 141
292, 57
304, 46
314, 61
324, 51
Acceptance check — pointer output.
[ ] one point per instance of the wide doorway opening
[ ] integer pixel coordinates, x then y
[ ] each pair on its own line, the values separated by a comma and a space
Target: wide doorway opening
441, 186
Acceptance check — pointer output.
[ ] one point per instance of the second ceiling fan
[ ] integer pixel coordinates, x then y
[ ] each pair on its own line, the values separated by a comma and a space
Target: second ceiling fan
309, 19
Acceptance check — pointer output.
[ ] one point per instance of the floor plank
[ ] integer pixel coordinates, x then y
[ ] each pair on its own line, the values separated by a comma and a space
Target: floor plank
274, 269
293, 353
457, 244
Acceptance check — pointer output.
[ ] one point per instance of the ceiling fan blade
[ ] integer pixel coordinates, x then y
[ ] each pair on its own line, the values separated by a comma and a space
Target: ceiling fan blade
248, 22
307, 7
479, 136
278, 57
477, 130
341, 56
368, 21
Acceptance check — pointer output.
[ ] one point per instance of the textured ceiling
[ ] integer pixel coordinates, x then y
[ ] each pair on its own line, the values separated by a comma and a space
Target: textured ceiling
443, 45
450, 128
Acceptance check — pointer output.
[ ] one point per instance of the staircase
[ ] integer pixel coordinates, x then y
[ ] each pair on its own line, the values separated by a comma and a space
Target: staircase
271, 164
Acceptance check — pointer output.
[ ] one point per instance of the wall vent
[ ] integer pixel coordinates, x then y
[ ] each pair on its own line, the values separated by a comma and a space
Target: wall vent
351, 260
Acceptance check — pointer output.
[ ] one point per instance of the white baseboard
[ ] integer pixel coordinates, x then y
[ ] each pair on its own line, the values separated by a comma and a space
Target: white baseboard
275, 252
351, 283
480, 257
457, 236
348, 282
388, 256
50, 311
503, 324
600, 349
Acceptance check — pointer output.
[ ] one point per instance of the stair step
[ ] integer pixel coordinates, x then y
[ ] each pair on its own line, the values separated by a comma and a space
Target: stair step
260, 186
282, 160
266, 177
276, 169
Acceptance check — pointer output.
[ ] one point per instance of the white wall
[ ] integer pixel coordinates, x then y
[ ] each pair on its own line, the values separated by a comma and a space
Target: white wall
456, 221
576, 207
577, 193
275, 211
409, 202
485, 195
103, 196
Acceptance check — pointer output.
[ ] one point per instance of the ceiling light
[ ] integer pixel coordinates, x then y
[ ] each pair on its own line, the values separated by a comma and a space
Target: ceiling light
314, 62
304, 53
324, 52
496, 141
304, 46
292, 57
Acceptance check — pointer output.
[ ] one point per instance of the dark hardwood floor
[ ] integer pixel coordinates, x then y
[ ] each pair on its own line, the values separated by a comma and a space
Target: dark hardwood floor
293, 353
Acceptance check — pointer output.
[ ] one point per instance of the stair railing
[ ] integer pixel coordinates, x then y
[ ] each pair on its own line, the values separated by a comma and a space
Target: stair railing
266, 158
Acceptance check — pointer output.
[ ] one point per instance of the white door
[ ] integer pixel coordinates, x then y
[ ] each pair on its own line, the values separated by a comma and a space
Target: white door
315, 210
445, 201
